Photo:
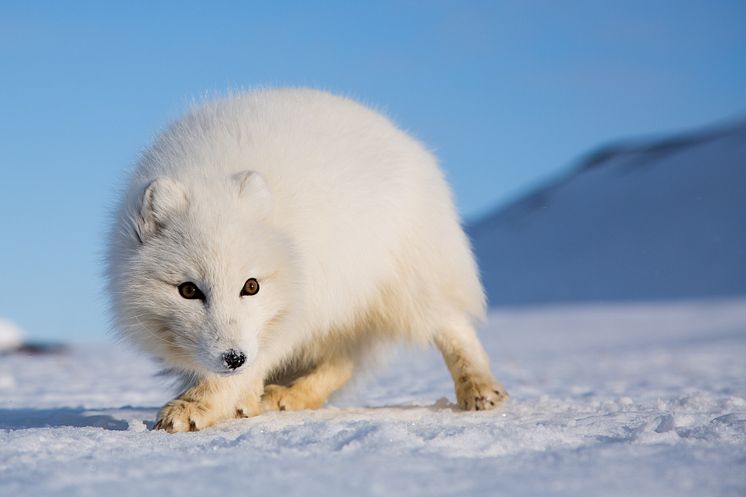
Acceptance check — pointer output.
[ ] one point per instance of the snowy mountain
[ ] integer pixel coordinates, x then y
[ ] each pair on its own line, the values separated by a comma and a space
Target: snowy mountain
638, 221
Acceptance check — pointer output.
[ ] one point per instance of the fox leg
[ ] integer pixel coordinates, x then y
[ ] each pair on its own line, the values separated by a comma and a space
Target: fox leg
310, 391
476, 388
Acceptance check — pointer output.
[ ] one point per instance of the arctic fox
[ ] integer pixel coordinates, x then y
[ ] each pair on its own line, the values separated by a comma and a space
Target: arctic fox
268, 240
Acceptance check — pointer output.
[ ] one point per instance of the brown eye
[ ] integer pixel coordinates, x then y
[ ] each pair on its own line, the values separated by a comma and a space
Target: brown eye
251, 287
190, 291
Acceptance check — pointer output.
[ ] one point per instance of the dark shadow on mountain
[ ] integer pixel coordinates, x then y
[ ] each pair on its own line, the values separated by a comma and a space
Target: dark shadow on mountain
37, 349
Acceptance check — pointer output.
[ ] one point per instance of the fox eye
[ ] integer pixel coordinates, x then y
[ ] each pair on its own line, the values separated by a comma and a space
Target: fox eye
189, 290
251, 287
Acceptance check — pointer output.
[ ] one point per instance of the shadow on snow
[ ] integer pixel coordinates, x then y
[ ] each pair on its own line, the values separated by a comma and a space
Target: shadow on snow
24, 418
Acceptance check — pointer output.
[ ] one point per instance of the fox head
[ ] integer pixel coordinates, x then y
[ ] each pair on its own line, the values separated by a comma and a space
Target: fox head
197, 275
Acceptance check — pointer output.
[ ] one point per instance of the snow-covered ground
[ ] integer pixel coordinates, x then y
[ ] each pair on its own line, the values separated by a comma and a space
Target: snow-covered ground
633, 399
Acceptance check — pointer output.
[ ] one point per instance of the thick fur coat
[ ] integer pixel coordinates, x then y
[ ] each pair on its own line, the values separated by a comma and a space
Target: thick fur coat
344, 223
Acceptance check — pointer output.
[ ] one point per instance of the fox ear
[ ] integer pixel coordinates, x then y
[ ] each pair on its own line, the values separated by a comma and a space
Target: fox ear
162, 198
252, 187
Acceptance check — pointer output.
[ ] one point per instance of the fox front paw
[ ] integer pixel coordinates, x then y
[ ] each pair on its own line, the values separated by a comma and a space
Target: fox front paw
248, 407
292, 398
479, 394
185, 415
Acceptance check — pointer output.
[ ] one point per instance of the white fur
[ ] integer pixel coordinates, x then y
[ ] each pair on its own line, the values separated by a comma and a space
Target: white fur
346, 222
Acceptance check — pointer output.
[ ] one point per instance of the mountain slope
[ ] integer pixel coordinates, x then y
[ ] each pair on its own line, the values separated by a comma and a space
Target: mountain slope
658, 221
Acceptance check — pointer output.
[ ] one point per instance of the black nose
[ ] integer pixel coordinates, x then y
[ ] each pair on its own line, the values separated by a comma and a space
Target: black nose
234, 359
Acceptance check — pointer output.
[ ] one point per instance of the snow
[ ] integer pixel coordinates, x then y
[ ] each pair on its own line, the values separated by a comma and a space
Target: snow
10, 335
623, 399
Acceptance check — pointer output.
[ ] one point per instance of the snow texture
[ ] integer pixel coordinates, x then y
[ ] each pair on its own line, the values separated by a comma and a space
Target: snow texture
614, 400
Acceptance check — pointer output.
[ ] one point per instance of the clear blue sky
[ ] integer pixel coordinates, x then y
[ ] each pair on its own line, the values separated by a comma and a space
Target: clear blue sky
506, 93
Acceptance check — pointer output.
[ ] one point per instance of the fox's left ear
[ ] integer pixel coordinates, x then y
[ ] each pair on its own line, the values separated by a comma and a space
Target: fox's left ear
252, 187
162, 199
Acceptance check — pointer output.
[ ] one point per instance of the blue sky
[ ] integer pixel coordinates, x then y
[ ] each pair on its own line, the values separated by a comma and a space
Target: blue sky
505, 93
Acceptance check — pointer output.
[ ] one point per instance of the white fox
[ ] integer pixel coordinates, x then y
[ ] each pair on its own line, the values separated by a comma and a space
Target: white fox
268, 240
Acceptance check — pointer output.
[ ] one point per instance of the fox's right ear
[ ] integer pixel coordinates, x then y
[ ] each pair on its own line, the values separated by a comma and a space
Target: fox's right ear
162, 198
